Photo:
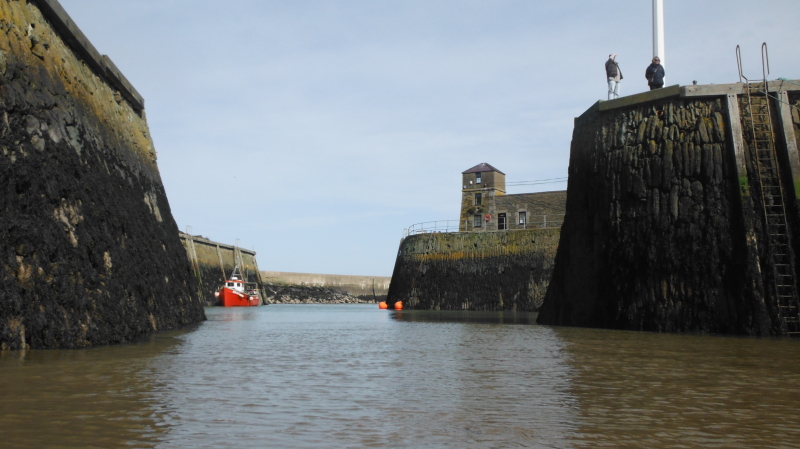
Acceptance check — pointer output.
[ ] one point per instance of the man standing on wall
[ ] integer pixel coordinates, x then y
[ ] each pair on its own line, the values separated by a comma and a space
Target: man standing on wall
614, 75
655, 74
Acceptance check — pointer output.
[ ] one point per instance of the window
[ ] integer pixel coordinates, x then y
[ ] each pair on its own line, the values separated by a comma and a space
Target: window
523, 218
478, 199
478, 177
501, 221
476, 221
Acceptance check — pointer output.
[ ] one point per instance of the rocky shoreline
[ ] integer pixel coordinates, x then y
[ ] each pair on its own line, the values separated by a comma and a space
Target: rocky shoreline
301, 294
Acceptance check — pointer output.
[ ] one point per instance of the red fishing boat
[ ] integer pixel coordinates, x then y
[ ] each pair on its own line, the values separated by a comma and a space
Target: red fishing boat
238, 293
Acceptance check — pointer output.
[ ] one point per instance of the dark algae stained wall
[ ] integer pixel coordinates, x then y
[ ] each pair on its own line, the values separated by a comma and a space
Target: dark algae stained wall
500, 270
664, 229
89, 251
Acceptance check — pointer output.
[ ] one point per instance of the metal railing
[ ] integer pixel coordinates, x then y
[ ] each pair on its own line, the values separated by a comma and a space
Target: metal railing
431, 226
765, 72
549, 221
542, 222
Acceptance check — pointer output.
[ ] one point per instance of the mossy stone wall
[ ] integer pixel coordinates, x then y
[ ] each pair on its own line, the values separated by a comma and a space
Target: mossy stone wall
500, 270
663, 230
89, 251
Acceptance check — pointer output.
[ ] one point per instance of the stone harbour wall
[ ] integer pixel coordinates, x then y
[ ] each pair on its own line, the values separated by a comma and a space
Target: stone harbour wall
663, 228
308, 294
89, 252
359, 286
500, 270
214, 262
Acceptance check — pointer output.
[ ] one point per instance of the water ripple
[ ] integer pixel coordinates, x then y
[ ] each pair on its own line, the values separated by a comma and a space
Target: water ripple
355, 376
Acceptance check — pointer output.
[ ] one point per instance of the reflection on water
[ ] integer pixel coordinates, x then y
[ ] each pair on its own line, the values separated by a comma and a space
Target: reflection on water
98, 397
465, 316
356, 376
654, 390
227, 314
350, 376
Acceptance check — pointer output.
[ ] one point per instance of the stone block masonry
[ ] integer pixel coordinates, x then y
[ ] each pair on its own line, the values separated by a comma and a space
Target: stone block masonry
359, 286
541, 209
89, 251
214, 262
665, 226
500, 270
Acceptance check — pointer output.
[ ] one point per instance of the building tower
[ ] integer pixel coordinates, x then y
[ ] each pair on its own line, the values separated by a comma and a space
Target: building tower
480, 185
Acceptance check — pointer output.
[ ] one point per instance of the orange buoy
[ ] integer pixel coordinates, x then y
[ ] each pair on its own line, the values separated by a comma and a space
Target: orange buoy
398, 305
383, 305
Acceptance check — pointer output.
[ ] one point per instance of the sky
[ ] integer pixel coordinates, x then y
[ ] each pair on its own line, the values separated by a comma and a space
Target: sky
331, 126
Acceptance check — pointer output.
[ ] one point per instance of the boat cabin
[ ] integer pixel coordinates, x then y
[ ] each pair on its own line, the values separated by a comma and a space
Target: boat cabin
235, 284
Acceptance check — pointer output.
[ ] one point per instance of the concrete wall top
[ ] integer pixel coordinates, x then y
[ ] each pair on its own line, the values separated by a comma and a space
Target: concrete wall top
201, 239
288, 275
83, 48
699, 90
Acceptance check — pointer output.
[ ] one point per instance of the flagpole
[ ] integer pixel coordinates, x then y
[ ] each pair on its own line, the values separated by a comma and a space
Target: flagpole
658, 30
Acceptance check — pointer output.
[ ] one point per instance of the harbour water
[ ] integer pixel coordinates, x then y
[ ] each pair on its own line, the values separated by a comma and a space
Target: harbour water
357, 376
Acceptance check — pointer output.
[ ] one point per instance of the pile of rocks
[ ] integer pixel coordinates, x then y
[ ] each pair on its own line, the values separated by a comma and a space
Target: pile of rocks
301, 294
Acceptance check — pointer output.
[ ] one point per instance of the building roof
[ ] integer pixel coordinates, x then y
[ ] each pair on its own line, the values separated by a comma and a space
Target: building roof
482, 167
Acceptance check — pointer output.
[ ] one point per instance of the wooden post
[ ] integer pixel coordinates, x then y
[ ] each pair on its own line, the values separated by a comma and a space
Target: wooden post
737, 137
789, 141
221, 264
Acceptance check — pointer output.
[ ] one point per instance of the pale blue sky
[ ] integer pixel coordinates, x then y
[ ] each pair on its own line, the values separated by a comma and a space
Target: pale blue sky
333, 125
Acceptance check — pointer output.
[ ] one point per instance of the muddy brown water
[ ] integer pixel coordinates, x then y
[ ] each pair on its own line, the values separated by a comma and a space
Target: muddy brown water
357, 376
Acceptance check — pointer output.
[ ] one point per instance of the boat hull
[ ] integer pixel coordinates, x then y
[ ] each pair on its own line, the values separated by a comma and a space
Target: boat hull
232, 298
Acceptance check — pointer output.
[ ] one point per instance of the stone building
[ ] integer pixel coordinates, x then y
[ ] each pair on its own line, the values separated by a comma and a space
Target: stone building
484, 266
485, 206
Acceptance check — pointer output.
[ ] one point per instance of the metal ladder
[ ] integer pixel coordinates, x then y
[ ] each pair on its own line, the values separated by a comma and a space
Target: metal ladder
756, 109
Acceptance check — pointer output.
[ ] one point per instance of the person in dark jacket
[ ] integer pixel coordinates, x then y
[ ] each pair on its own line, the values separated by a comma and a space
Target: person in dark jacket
655, 74
614, 75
